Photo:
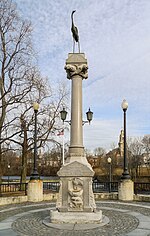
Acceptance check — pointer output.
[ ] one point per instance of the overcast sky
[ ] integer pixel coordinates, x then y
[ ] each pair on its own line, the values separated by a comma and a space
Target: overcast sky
115, 37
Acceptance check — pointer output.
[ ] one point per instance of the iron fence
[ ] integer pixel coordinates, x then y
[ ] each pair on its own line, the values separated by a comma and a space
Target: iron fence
141, 188
98, 187
13, 188
51, 186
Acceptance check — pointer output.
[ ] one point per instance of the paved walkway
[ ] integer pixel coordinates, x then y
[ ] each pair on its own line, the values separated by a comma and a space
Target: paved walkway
124, 219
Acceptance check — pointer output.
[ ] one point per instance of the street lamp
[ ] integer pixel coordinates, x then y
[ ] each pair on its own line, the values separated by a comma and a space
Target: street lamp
125, 174
89, 115
63, 114
35, 174
109, 162
8, 172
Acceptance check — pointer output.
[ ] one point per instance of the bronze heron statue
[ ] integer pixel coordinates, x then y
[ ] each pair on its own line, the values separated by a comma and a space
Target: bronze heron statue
75, 33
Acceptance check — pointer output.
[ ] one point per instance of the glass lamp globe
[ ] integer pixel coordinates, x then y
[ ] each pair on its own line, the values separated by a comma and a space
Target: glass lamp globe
89, 115
35, 106
124, 105
109, 160
63, 114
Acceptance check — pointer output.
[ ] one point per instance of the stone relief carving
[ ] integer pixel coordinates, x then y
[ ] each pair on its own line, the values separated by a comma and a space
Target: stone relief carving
80, 70
75, 190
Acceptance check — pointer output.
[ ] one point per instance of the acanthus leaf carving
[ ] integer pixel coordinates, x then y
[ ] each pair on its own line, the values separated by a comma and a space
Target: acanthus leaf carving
80, 70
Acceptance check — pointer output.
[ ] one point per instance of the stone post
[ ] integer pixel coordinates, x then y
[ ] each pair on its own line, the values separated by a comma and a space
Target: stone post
35, 191
126, 190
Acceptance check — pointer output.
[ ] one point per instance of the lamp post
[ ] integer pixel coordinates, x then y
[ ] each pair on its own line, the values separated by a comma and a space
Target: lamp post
125, 174
63, 115
109, 162
8, 172
35, 174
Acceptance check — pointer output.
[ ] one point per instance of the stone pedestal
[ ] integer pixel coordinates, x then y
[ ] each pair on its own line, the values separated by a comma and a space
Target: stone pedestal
35, 191
126, 190
76, 193
75, 203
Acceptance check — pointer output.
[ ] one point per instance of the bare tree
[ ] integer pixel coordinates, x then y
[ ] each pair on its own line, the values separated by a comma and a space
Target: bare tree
99, 151
16, 70
21, 85
146, 143
48, 121
146, 154
135, 150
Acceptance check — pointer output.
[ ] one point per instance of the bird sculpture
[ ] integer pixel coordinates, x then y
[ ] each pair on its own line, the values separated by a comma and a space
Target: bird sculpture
75, 34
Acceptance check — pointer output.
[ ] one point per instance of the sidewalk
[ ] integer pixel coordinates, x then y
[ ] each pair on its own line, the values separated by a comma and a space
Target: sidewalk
124, 219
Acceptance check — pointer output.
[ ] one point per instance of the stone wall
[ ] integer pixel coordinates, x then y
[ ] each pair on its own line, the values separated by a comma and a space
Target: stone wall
13, 200
53, 197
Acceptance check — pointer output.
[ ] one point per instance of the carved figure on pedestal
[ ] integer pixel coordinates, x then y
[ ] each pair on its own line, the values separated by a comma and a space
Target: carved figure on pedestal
76, 193
75, 33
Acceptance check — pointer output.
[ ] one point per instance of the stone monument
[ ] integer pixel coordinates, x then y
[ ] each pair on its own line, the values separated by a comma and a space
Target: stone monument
75, 203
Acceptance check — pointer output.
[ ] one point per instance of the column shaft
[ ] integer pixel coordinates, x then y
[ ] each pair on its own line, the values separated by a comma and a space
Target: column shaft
76, 139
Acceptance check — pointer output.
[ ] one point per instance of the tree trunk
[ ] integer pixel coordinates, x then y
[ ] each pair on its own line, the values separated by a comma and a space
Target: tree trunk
1, 164
24, 159
1, 173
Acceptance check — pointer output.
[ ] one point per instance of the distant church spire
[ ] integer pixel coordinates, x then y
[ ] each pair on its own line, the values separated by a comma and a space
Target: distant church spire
121, 142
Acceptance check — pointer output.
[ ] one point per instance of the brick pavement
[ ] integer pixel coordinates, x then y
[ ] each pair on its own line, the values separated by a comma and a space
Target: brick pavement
125, 219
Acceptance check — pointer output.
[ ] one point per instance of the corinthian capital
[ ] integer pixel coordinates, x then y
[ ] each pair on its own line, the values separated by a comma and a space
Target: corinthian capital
80, 70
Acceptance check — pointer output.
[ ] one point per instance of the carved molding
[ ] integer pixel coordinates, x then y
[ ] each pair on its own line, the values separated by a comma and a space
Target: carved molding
59, 199
80, 70
91, 197
75, 155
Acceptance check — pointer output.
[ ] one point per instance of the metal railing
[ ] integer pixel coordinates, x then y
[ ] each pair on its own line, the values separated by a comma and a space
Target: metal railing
13, 188
100, 187
141, 188
51, 186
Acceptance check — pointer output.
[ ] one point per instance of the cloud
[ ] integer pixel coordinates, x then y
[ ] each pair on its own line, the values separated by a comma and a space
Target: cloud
115, 36
101, 132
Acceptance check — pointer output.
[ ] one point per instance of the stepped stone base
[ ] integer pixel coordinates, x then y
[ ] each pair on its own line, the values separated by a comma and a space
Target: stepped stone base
75, 217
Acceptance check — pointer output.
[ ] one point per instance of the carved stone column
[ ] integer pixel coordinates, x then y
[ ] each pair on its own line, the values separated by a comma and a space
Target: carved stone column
75, 202
76, 68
